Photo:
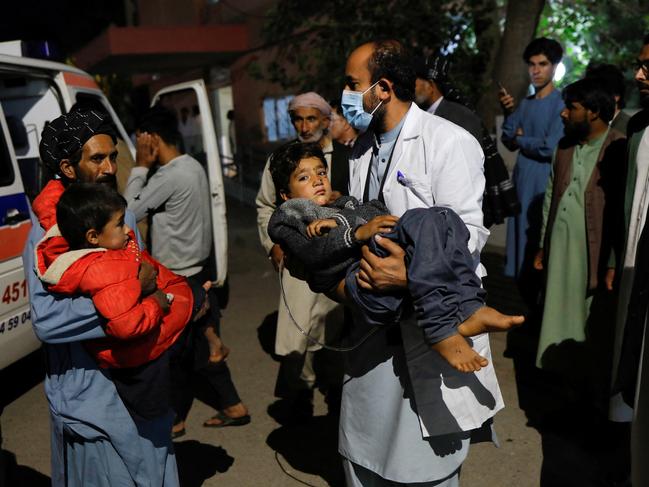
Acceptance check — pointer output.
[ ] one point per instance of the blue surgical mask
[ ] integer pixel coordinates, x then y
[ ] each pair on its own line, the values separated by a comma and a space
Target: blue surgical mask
352, 105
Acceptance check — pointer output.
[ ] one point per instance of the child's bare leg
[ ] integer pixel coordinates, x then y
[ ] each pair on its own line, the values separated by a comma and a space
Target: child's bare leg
488, 319
218, 351
457, 352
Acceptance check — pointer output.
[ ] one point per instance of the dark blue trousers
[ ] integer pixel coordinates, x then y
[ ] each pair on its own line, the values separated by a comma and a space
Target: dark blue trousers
442, 285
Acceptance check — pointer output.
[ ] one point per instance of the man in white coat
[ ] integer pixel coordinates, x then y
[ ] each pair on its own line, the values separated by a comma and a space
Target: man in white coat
409, 420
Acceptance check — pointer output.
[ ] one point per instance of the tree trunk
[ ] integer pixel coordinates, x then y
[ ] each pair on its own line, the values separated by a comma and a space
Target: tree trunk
509, 69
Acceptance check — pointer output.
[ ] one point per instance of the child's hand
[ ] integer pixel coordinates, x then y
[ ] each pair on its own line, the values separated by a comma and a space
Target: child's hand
317, 227
162, 300
378, 224
147, 276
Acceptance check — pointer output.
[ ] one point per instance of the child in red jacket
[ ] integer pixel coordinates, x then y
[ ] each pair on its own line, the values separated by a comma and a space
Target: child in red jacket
93, 252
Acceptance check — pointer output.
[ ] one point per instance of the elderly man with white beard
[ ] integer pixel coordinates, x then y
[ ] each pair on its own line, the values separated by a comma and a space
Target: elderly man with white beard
310, 115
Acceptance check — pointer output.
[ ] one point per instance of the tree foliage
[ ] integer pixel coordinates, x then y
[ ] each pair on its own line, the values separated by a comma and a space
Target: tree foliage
596, 31
313, 39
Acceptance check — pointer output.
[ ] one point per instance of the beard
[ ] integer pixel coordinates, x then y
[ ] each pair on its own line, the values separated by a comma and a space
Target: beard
109, 180
378, 119
643, 89
422, 102
577, 131
314, 137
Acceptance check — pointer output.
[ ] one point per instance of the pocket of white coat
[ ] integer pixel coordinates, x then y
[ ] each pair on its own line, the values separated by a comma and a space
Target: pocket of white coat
421, 191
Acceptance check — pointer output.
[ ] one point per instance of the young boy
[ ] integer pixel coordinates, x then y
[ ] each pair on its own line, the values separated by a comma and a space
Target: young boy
325, 236
92, 251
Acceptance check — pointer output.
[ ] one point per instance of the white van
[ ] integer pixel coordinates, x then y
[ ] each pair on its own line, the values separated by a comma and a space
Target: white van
32, 92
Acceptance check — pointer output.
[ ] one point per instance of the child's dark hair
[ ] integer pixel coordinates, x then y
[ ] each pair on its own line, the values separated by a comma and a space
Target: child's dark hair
287, 158
542, 45
84, 206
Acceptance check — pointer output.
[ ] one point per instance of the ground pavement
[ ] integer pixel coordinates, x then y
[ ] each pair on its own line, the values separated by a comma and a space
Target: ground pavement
264, 452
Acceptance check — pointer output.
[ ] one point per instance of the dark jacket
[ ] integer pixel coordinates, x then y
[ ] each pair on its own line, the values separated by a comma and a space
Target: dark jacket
340, 168
631, 349
500, 199
603, 201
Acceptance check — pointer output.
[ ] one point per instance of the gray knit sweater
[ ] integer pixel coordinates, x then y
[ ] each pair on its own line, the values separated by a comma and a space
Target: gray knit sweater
325, 258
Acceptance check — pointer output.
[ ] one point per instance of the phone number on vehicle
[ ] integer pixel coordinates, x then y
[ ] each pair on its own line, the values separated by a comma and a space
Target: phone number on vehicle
13, 322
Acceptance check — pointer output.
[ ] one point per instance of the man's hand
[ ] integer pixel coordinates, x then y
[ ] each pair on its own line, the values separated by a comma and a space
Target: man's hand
538, 260
383, 274
519, 132
147, 276
146, 152
276, 256
162, 300
378, 224
610, 278
506, 101
318, 227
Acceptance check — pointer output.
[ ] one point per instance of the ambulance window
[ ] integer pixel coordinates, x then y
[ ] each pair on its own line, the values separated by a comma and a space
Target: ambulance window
184, 104
29, 102
6, 169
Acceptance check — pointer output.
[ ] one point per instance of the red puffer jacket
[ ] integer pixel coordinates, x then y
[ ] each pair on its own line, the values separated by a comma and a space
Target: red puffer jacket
137, 330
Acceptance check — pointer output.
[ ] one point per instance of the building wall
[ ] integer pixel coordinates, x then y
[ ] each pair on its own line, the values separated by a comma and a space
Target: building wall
248, 92
171, 12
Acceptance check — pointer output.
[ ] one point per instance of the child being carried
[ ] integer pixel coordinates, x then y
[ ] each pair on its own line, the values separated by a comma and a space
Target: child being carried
91, 251
325, 235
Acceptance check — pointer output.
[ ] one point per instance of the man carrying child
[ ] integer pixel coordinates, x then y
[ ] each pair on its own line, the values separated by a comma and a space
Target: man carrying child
94, 438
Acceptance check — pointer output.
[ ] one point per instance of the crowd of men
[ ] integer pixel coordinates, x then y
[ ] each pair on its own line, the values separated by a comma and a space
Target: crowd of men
400, 134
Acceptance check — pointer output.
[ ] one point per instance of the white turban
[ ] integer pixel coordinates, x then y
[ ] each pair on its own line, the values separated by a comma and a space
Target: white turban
310, 100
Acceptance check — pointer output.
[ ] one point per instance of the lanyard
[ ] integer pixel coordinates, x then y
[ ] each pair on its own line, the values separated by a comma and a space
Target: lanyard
385, 173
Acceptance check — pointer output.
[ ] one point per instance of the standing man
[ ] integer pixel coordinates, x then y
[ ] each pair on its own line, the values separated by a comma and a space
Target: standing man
315, 313
579, 233
94, 441
631, 365
407, 418
431, 94
534, 129
176, 199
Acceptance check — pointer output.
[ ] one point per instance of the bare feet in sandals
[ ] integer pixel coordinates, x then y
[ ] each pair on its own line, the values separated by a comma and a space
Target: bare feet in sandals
459, 354
218, 351
236, 415
488, 319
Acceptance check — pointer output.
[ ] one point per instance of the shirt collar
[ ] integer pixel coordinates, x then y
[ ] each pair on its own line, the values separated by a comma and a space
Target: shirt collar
391, 135
433, 108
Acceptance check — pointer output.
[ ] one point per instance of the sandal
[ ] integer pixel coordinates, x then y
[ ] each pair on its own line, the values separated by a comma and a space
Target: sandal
226, 420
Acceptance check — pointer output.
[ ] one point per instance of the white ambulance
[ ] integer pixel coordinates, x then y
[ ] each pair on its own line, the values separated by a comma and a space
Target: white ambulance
32, 92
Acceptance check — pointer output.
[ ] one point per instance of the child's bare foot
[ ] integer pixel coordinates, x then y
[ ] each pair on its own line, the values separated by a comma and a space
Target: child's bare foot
488, 319
218, 351
457, 352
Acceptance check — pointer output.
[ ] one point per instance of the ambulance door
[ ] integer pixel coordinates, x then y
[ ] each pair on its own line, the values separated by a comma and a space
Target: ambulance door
190, 103
17, 338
